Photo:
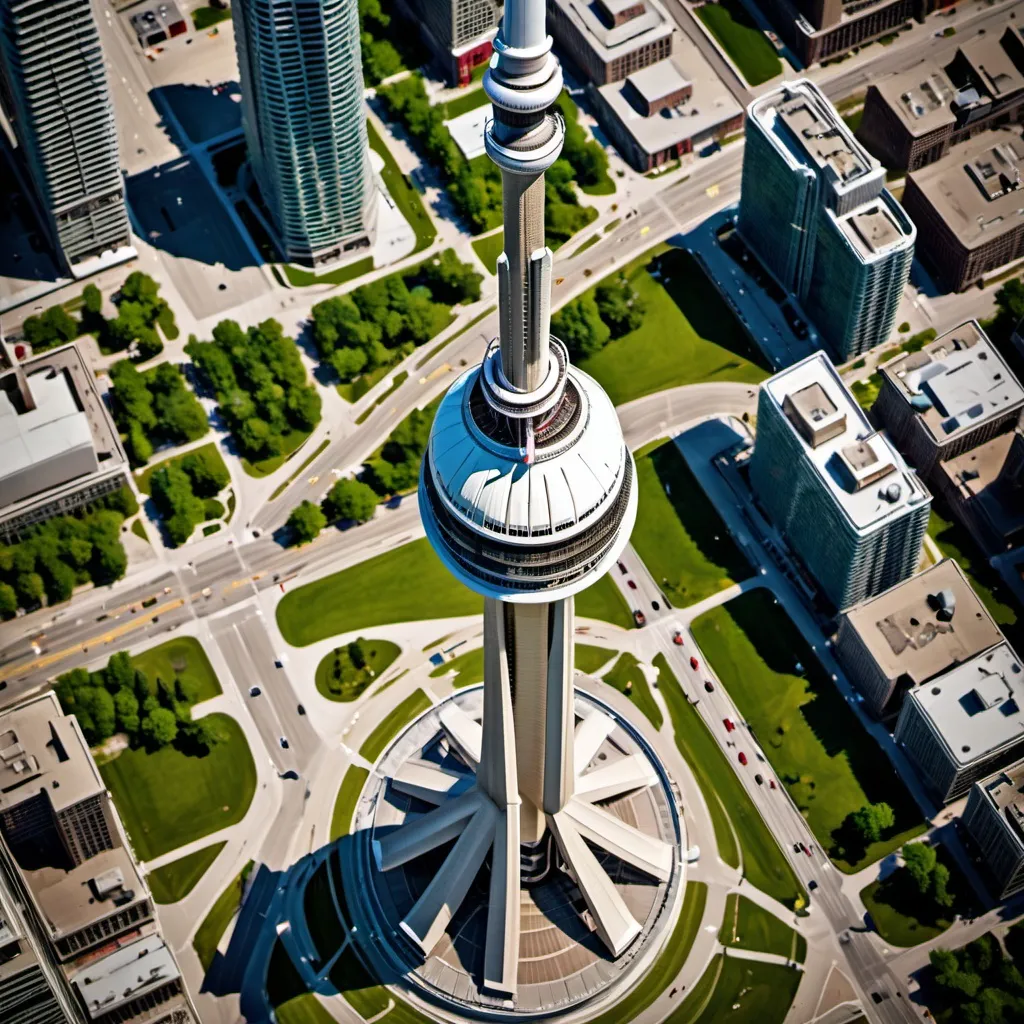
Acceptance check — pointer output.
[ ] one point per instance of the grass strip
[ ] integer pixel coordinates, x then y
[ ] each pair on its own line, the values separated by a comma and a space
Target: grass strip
283, 487
628, 678
176, 880
412, 707
346, 800
210, 932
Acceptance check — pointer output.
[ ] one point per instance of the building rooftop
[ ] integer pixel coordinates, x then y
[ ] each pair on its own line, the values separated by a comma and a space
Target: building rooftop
920, 97
658, 80
875, 227
1006, 791
127, 973
710, 103
866, 477
925, 625
956, 382
975, 188
806, 128
992, 65
975, 708
609, 33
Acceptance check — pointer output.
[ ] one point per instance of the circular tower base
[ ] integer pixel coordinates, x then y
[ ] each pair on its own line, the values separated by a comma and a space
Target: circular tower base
564, 967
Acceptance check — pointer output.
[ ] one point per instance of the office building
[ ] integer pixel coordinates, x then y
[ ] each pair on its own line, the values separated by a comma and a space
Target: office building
816, 30
837, 491
305, 127
954, 409
83, 890
459, 33
914, 117
815, 211
528, 495
612, 39
994, 819
58, 102
968, 208
966, 723
668, 109
59, 448
915, 631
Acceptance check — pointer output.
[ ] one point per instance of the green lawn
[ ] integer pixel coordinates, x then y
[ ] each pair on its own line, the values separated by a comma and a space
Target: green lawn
688, 335
853, 120
589, 659
414, 705
139, 529
489, 248
183, 656
592, 240
176, 880
326, 931
817, 747
468, 668
304, 1009
866, 390
605, 185
338, 678
207, 452
353, 390
740, 992
406, 584
468, 100
668, 965
749, 48
903, 917
290, 443
458, 334
603, 600
732, 810
747, 925
167, 799
346, 800
206, 17
407, 199
281, 488
301, 278
680, 537
627, 678
955, 542
208, 934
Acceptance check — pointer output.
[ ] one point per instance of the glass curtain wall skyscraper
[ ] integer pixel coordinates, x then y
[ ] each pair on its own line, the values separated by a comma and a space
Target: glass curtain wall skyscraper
302, 108
58, 100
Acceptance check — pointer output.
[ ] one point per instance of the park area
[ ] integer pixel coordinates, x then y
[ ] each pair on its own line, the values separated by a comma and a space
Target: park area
688, 334
750, 49
828, 763
346, 672
678, 534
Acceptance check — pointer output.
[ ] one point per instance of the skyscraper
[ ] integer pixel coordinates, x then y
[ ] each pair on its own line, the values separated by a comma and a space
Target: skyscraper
815, 210
528, 495
305, 127
60, 107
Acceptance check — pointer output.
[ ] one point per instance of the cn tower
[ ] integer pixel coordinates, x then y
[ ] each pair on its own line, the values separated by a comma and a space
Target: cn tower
528, 495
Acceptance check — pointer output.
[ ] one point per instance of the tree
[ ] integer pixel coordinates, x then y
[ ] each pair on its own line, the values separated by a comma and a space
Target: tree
126, 706
450, 280
141, 288
350, 500
119, 673
160, 727
872, 820
8, 601
53, 327
304, 407
620, 307
258, 439
109, 560
305, 522
173, 496
30, 589
104, 718
348, 362
579, 325
940, 886
209, 476
92, 299
186, 689
920, 859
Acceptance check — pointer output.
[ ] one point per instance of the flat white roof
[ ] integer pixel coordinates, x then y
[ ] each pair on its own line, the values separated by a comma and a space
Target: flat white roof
851, 455
609, 42
55, 426
976, 707
467, 130
125, 974
657, 80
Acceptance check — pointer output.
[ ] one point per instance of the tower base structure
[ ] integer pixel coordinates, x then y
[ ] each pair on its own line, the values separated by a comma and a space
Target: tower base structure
596, 896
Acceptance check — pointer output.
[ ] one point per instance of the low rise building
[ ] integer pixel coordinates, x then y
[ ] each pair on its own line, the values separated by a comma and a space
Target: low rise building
667, 109
841, 496
914, 632
914, 117
994, 819
62, 837
59, 448
815, 211
611, 39
459, 33
965, 724
968, 208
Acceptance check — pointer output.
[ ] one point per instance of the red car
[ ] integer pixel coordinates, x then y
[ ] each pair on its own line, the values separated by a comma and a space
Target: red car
631, 584
694, 664
771, 783
677, 638
742, 757
639, 618
729, 724
804, 848
622, 568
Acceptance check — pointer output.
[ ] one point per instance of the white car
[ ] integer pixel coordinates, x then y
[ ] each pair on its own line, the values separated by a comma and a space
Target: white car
693, 855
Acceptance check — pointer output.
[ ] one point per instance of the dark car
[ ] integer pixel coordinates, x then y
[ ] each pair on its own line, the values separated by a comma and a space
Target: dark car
709, 686
639, 618
631, 584
302, 710
759, 779
812, 885
622, 568
655, 605
283, 742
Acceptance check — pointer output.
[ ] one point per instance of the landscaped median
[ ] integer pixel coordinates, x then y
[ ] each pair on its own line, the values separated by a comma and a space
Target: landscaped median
739, 991
176, 880
820, 752
208, 935
747, 925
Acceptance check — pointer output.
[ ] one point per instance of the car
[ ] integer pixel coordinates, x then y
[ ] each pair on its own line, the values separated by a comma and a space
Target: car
729, 724
656, 606
639, 618
302, 710
631, 584
254, 691
805, 850
759, 779
677, 638
283, 740
709, 686
812, 885
844, 938
741, 757
693, 855
796, 847
622, 568
694, 664
771, 783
